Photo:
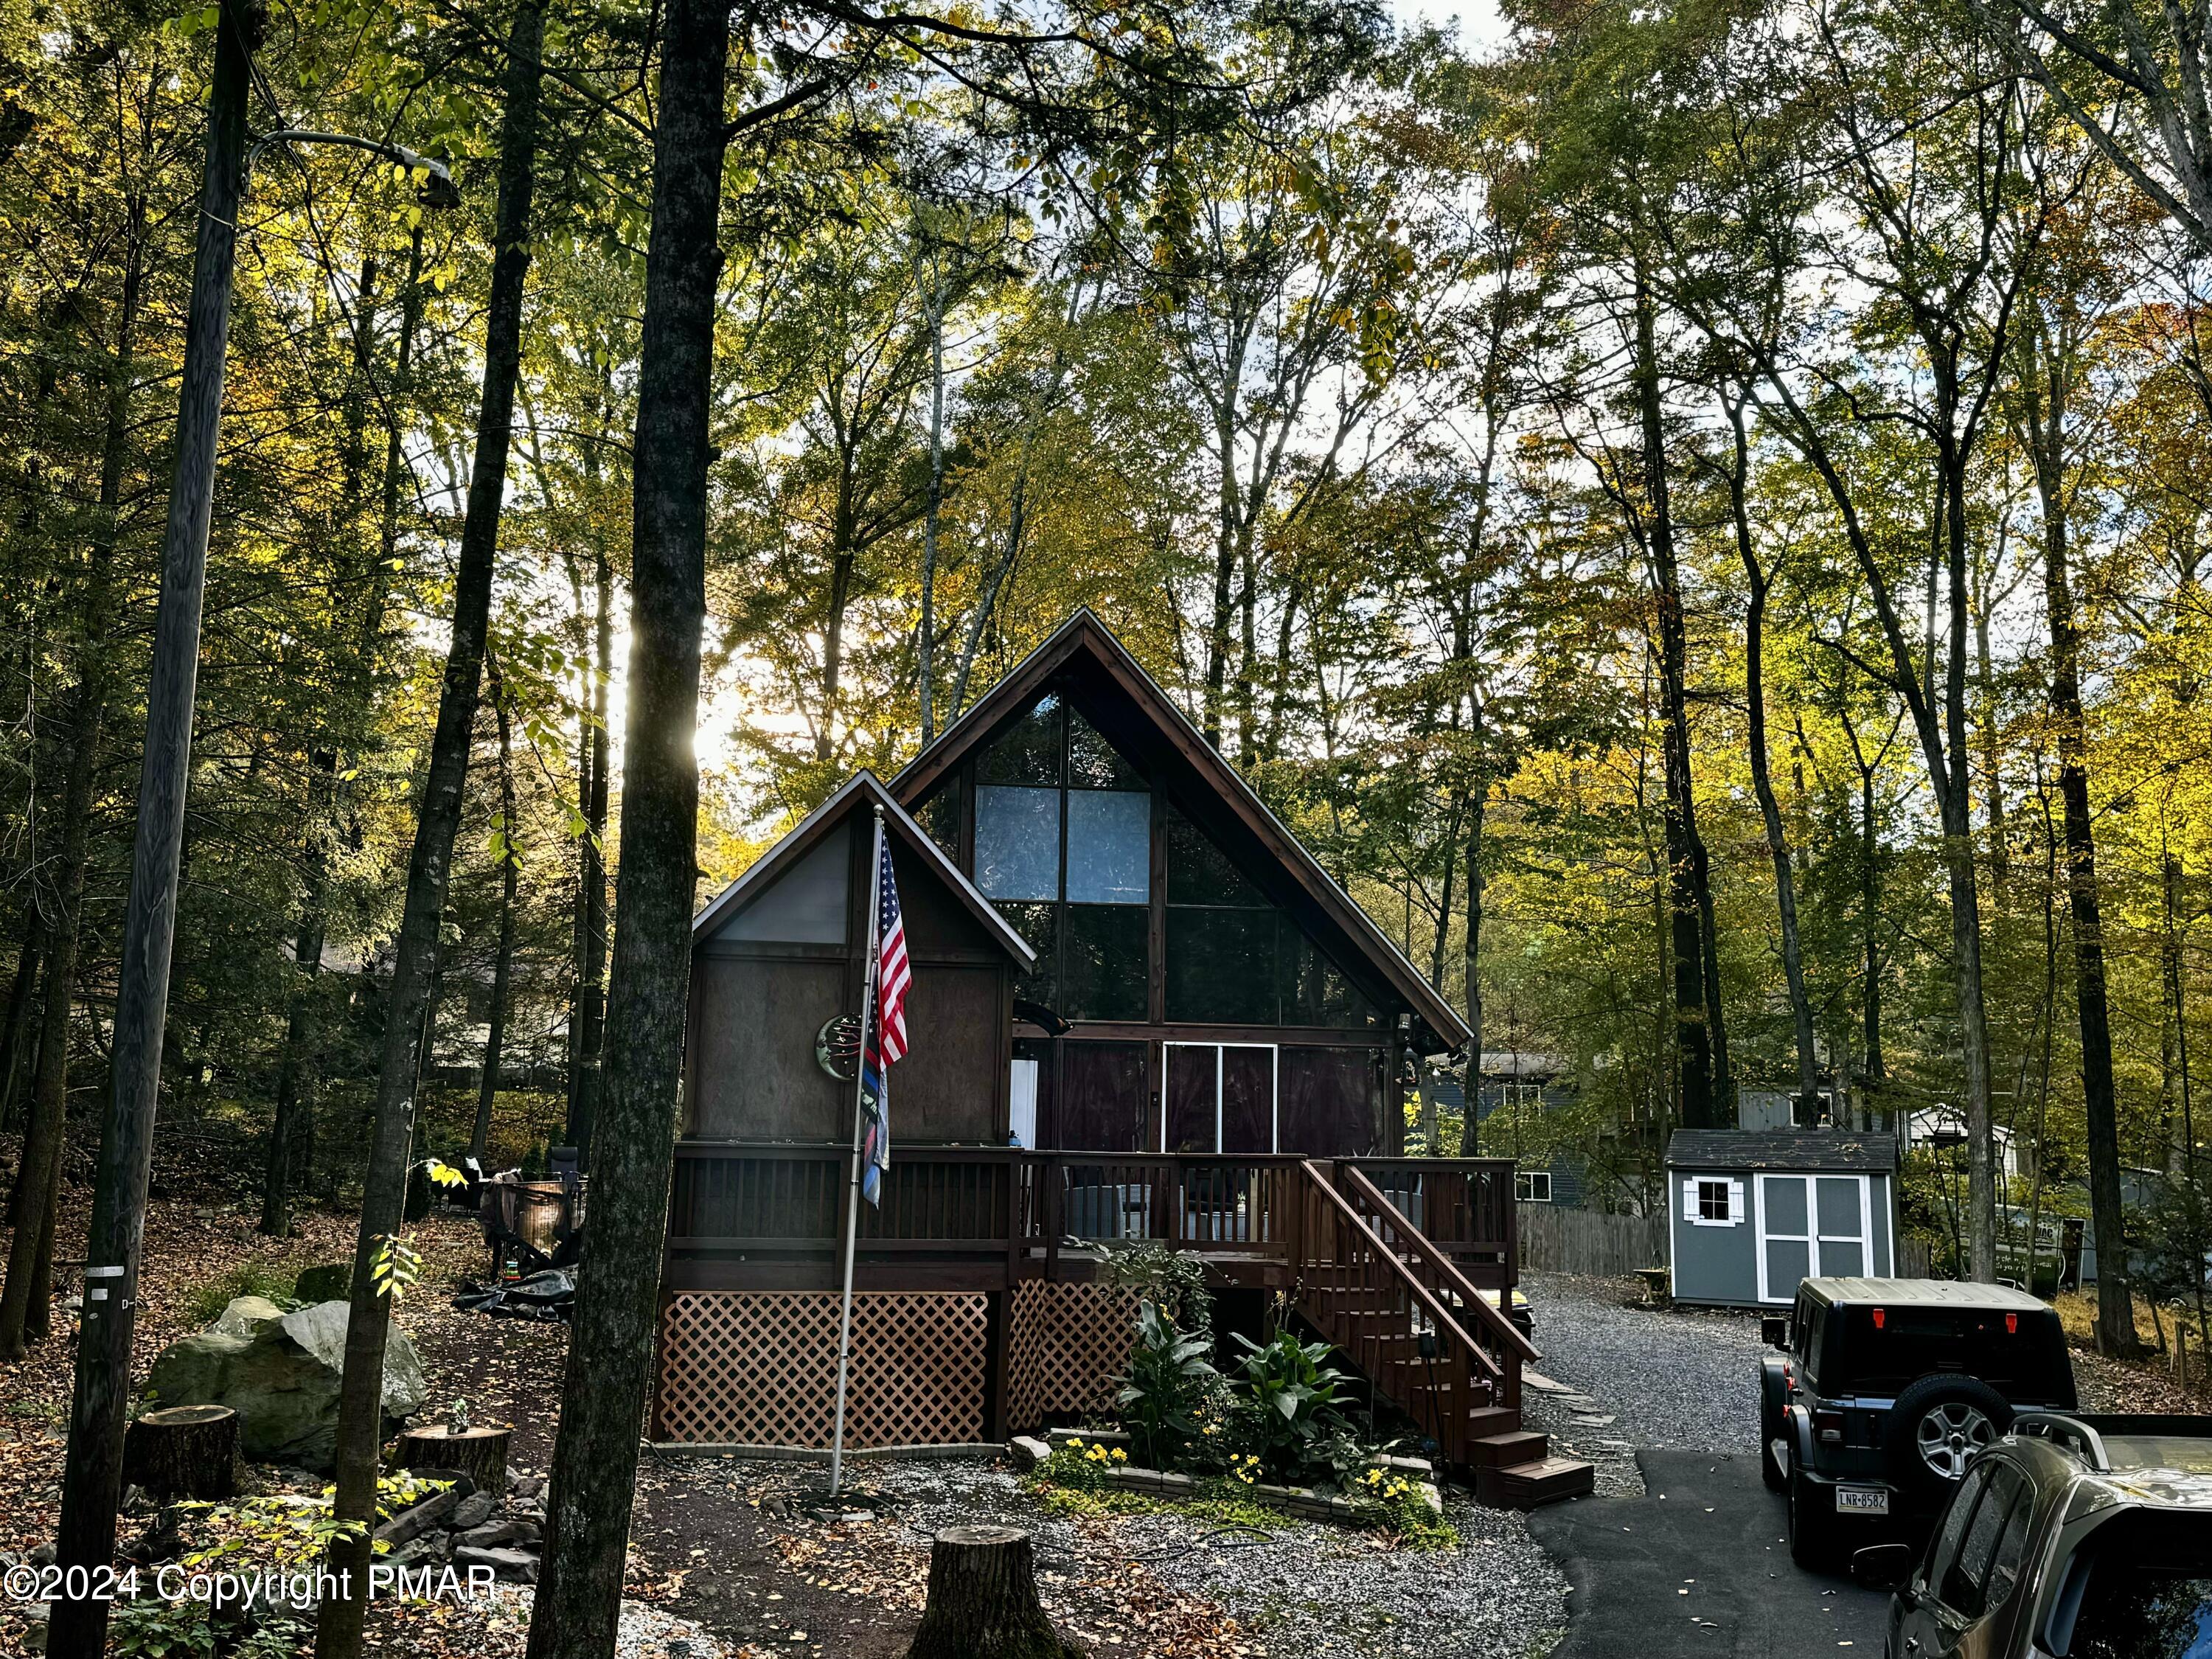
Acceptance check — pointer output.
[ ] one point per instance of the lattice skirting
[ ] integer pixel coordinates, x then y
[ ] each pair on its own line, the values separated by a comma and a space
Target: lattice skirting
1065, 1344
759, 1368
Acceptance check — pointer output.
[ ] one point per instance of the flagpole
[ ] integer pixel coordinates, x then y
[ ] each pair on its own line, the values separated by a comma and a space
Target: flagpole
859, 1128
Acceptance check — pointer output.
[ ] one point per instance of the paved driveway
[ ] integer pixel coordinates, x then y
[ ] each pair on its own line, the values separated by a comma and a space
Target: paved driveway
1698, 1566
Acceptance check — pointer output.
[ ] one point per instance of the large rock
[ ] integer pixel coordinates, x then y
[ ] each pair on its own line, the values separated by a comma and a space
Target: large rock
280, 1371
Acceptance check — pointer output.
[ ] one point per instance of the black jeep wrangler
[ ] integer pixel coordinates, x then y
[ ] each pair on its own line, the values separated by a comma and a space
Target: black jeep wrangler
2076, 1536
1886, 1390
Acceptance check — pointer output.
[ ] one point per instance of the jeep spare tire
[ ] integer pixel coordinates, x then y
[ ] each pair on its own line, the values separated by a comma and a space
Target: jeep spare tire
1939, 1425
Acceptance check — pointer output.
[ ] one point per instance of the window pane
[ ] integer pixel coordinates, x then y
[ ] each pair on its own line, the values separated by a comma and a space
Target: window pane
1028, 751
1017, 843
1192, 1095
1221, 966
1110, 847
1108, 1089
1315, 989
1095, 763
1247, 1100
1198, 873
1039, 926
940, 816
1104, 973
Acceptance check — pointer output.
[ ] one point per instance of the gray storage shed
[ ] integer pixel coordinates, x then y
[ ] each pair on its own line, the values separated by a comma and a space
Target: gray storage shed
1754, 1211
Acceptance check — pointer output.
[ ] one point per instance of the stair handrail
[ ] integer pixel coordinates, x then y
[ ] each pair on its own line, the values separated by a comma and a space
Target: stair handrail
1444, 1267
1440, 1316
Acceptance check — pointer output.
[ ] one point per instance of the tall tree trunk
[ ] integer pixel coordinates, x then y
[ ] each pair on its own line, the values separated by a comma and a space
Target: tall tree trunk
2184, 1158
22, 998
23, 1303
93, 1471
1477, 805
610, 1345
292, 1132
2044, 386
933, 501
1762, 779
360, 1427
1703, 1086
503, 965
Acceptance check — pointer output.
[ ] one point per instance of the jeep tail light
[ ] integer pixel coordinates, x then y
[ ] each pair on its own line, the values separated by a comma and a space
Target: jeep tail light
1880, 1318
1828, 1426
2012, 1324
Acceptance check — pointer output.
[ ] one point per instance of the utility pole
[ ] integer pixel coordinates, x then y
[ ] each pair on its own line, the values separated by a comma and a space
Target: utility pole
91, 1481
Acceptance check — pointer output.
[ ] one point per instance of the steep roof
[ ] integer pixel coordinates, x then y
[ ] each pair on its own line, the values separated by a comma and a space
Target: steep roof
1085, 645
862, 790
1780, 1149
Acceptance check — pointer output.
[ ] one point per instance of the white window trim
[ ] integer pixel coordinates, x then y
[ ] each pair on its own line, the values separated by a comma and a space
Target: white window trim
1812, 1237
1694, 1200
1529, 1178
1274, 1092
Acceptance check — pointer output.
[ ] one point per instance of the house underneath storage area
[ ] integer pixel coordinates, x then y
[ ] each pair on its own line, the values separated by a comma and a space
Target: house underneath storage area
1141, 1011
1756, 1211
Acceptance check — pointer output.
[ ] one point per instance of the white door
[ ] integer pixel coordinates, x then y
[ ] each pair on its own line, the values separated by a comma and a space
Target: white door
1813, 1226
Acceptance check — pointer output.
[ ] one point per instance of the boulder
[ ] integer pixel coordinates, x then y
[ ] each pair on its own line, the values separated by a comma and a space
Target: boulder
516, 1566
411, 1523
500, 1534
474, 1510
280, 1372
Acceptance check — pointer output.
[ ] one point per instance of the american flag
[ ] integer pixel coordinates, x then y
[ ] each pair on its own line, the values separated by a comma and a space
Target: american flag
887, 1043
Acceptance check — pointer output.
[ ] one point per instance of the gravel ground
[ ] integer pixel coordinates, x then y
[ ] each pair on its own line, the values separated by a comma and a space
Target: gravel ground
1159, 1584
1633, 1376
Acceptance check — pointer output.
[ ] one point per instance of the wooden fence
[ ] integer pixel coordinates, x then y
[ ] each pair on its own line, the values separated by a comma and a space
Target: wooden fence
1560, 1240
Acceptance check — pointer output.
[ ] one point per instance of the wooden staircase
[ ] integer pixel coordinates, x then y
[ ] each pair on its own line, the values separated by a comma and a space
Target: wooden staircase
1402, 1311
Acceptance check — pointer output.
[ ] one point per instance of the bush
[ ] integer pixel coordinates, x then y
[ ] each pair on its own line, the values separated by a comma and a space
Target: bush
1288, 1416
1397, 1506
1174, 1279
1169, 1380
204, 1303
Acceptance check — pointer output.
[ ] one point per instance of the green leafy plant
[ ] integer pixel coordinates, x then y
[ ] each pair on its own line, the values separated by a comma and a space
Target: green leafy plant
1397, 1506
394, 1266
158, 1627
1173, 1280
1288, 1412
1169, 1378
271, 1280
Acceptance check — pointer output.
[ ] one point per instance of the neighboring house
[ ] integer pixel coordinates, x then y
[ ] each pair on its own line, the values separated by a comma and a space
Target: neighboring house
1518, 1089
1755, 1212
1938, 1127
1141, 1011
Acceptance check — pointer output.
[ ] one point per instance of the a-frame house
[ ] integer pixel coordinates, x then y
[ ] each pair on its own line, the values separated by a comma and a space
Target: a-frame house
1141, 1011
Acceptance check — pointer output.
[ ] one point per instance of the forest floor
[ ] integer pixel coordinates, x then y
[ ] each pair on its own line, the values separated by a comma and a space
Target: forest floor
726, 1562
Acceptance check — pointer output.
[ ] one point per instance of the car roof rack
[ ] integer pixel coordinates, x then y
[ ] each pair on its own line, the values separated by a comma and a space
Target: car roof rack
2071, 1432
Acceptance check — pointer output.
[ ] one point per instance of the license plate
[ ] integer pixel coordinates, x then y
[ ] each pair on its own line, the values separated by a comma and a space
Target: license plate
1866, 1500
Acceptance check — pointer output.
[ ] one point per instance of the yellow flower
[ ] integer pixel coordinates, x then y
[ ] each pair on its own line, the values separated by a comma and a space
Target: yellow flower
1120, 1456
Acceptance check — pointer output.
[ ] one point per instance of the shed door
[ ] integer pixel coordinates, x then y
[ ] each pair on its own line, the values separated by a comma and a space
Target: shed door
1812, 1227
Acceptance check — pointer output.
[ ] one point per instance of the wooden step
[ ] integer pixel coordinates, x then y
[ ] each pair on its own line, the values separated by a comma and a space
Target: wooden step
1483, 1421
1498, 1451
1531, 1485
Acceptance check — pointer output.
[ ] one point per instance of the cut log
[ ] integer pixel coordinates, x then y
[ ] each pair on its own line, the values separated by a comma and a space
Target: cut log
184, 1451
983, 1601
478, 1453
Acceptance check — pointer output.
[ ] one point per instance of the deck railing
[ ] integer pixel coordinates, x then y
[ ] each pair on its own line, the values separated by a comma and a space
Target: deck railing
973, 1201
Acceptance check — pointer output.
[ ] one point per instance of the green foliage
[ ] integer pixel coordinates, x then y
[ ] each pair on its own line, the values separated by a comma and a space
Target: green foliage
1398, 1507
1169, 1379
1289, 1419
1175, 1280
272, 1281
154, 1627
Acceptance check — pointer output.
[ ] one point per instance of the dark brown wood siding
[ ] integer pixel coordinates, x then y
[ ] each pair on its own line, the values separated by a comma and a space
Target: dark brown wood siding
751, 1069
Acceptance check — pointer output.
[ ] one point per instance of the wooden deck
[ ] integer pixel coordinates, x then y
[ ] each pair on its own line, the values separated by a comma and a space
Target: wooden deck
756, 1216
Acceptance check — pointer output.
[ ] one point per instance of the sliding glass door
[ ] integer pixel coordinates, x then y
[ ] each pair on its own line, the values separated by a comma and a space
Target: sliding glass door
1217, 1096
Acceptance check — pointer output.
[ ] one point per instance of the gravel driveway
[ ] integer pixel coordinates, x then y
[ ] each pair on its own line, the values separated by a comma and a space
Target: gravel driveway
1637, 1376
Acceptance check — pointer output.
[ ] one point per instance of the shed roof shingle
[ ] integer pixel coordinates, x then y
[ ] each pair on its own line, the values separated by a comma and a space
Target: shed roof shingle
1780, 1149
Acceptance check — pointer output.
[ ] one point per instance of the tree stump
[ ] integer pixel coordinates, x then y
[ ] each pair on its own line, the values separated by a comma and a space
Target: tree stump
478, 1453
184, 1451
983, 1601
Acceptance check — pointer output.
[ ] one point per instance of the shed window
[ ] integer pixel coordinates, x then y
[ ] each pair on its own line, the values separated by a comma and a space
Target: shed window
1533, 1186
1712, 1201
